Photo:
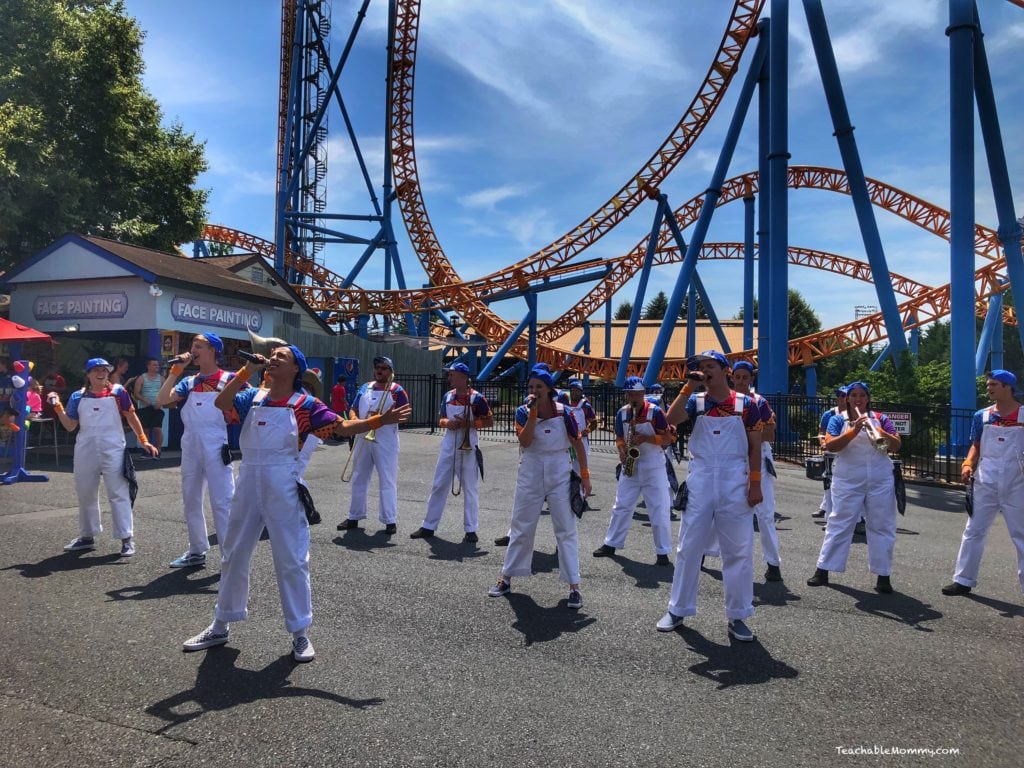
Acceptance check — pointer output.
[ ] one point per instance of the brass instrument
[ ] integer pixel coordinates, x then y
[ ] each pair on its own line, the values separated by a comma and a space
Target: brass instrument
632, 451
877, 439
346, 471
264, 345
458, 458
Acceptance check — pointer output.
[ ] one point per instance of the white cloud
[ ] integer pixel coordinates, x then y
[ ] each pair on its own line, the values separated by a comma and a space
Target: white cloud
490, 197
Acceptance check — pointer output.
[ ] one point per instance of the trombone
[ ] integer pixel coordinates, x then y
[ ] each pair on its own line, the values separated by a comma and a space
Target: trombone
349, 468
877, 439
459, 453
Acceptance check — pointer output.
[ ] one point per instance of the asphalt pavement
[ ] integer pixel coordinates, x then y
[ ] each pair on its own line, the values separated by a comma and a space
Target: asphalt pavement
417, 666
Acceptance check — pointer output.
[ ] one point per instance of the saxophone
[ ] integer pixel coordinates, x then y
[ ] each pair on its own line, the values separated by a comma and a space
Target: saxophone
632, 451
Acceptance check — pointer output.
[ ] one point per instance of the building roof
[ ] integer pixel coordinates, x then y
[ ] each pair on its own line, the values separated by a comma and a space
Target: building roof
647, 333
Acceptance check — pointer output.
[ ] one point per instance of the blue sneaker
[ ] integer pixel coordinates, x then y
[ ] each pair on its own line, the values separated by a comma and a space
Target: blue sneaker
500, 589
80, 544
739, 631
302, 650
127, 547
575, 599
669, 622
190, 560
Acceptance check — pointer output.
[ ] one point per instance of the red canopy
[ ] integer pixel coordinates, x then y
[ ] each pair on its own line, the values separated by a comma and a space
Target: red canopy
16, 332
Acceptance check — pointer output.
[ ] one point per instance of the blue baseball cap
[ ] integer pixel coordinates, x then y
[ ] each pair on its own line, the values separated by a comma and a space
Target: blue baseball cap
858, 384
97, 362
458, 368
541, 367
710, 354
382, 360
1003, 376
744, 364
214, 340
542, 375
300, 360
634, 384
656, 387
840, 392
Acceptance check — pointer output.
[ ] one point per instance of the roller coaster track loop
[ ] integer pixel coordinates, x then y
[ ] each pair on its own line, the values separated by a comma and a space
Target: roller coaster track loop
741, 26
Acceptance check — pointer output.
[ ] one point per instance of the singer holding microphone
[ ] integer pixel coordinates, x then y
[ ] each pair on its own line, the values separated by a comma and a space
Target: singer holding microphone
205, 461
862, 484
275, 423
546, 430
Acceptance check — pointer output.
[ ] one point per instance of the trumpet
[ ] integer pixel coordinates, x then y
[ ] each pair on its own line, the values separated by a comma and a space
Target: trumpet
349, 468
877, 439
458, 456
632, 452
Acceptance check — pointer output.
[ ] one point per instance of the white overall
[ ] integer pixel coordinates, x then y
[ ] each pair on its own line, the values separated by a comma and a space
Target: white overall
266, 496
862, 485
826, 499
99, 450
576, 411
650, 480
380, 454
202, 467
544, 472
717, 505
998, 487
452, 459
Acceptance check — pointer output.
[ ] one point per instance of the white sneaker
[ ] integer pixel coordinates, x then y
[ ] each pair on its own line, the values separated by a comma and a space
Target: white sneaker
81, 543
302, 649
205, 639
189, 560
127, 547
669, 622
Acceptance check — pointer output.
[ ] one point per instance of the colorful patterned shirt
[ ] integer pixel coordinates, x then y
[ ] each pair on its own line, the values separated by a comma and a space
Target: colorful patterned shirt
312, 416
1015, 419
727, 407
119, 393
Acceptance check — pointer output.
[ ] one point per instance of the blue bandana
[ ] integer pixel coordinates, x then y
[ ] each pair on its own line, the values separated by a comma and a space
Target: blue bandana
858, 384
381, 360
542, 375
1003, 376
300, 360
575, 383
744, 364
458, 368
214, 340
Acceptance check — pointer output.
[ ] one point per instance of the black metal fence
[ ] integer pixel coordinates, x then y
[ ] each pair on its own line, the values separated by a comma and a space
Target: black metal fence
927, 452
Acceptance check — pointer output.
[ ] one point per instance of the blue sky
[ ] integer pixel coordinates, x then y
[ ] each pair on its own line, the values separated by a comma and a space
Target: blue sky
530, 115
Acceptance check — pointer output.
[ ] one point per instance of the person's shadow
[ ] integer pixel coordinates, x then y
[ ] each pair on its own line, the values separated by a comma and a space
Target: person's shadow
539, 625
67, 561
543, 562
773, 593
895, 607
646, 575
442, 549
172, 583
736, 663
1006, 610
358, 540
221, 685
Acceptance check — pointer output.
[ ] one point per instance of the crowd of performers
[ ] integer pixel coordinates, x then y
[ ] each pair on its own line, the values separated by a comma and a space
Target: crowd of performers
730, 481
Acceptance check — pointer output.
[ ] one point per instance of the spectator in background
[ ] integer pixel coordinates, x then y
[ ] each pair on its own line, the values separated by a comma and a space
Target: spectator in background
147, 385
34, 399
120, 372
6, 386
339, 401
52, 382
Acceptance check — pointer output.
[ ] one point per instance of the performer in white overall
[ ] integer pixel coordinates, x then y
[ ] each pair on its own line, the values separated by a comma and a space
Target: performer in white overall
862, 484
640, 424
203, 442
995, 466
464, 411
584, 415
375, 397
825, 508
724, 482
97, 410
545, 431
267, 496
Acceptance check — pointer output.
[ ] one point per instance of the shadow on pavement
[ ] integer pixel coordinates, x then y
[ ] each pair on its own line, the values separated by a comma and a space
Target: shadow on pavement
773, 593
539, 625
176, 582
736, 663
455, 551
220, 685
66, 561
545, 563
646, 575
1006, 610
897, 606
358, 541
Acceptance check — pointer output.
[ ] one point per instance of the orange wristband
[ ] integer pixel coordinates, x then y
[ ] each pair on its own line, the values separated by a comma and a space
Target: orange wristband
478, 423
177, 369
755, 475
585, 474
375, 421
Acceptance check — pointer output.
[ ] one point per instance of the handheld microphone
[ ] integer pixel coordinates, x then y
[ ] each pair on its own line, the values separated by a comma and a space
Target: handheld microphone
249, 357
184, 357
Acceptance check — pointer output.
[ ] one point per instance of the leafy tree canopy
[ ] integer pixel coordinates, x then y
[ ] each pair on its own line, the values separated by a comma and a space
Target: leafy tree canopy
624, 310
82, 147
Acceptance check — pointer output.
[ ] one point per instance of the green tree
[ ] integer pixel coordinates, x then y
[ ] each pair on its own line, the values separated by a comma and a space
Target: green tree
220, 249
624, 310
656, 307
81, 142
803, 321
684, 309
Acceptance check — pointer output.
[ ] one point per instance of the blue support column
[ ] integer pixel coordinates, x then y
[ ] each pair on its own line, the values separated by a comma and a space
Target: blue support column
963, 393
992, 329
531, 303
702, 294
764, 272
748, 268
641, 290
855, 176
363, 326
586, 349
691, 320
778, 169
608, 328
811, 374
505, 347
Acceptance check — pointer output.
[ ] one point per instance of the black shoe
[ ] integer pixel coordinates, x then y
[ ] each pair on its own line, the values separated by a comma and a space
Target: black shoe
390, 529
778, 518
956, 588
421, 533
470, 537
663, 560
858, 529
819, 579
674, 517
501, 541
348, 525
772, 573
757, 528
604, 551
819, 514
883, 586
